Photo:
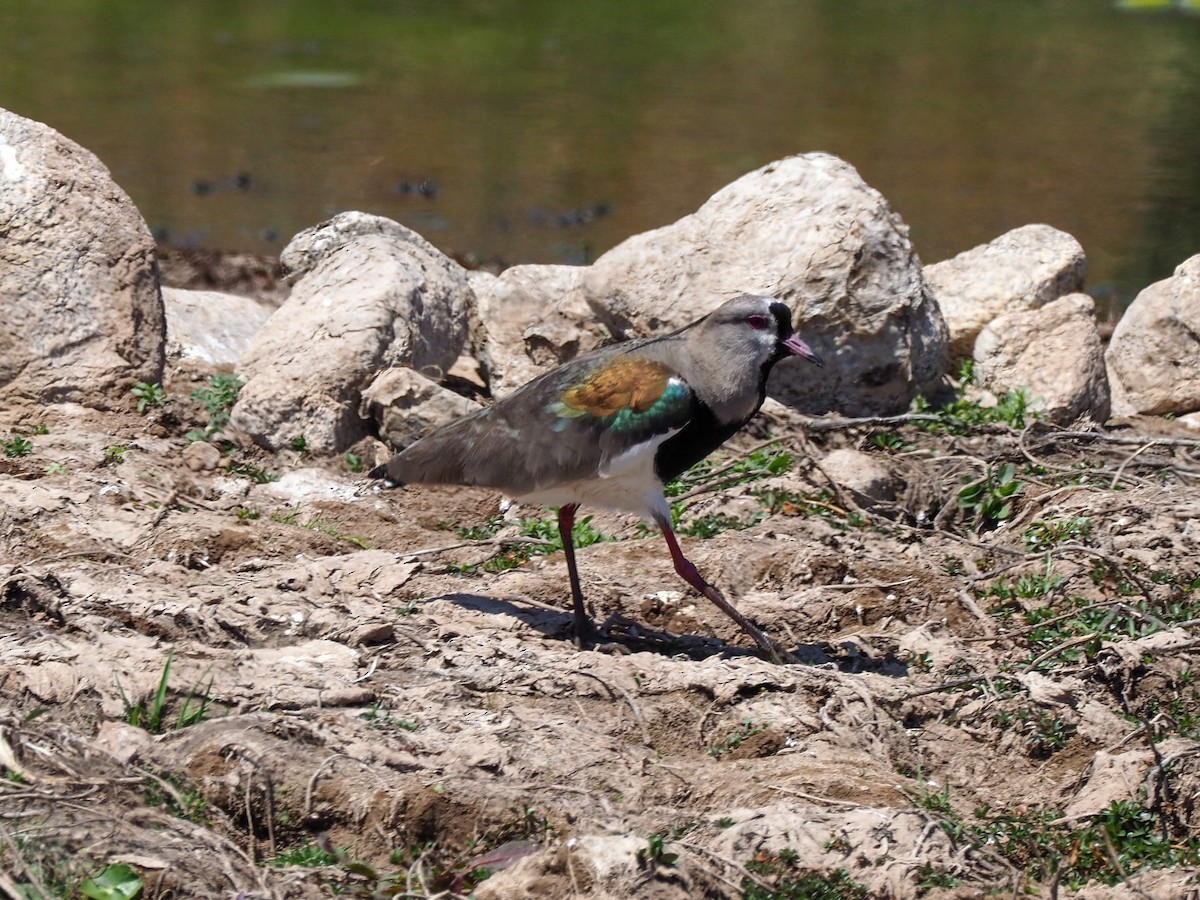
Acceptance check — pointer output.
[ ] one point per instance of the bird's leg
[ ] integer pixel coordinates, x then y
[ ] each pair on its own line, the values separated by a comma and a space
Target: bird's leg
689, 573
566, 524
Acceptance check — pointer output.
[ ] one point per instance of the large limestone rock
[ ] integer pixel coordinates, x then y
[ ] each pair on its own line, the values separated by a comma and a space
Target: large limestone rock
83, 318
1053, 353
371, 294
807, 230
211, 328
1022, 269
1154, 356
532, 318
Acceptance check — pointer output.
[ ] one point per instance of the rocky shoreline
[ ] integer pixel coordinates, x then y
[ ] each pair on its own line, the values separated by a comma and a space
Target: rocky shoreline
231, 667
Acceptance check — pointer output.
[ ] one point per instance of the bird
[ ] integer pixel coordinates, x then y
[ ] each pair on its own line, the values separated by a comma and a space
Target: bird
612, 426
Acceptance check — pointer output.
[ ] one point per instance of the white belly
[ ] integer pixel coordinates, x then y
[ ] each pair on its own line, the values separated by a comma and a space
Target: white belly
628, 483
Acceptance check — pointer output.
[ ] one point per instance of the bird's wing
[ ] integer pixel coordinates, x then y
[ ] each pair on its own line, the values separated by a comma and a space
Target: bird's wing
567, 425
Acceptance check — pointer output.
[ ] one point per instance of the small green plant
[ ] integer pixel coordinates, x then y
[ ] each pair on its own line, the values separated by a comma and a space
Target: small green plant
1049, 733
779, 876
724, 822
307, 855
167, 792
1008, 596
153, 717
960, 415
934, 801
1042, 536
777, 501
544, 533
300, 444
1123, 838
148, 395
247, 514
988, 500
745, 730
17, 446
930, 876
838, 844
253, 471
375, 715
953, 565
114, 455
353, 462
890, 442
655, 853
217, 399
709, 474
115, 882
54, 467
318, 523
704, 527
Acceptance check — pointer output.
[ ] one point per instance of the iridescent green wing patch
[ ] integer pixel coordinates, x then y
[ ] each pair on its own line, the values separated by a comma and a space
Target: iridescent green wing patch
630, 395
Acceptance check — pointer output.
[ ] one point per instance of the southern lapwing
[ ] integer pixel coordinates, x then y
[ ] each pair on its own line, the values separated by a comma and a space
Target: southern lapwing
611, 427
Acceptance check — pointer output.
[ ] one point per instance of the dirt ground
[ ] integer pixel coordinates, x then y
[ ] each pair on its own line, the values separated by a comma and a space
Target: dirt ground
263, 676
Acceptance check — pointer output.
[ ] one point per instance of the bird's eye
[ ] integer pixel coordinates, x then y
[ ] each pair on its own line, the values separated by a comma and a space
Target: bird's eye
757, 322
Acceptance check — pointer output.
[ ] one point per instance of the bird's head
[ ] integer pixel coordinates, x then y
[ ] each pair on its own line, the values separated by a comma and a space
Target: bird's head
754, 331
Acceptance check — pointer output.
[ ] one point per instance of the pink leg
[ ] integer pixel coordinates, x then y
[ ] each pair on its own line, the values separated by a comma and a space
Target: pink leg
688, 572
566, 522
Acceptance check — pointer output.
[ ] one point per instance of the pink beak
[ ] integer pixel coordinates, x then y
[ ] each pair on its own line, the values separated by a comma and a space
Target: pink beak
797, 347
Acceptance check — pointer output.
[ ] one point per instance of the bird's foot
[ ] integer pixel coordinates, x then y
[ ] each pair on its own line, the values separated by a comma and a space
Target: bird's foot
584, 633
777, 654
588, 637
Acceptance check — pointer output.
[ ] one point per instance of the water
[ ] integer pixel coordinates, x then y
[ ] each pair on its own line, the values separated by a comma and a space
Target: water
540, 131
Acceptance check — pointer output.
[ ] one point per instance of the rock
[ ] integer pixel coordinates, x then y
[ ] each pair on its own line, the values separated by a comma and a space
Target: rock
867, 478
201, 456
372, 294
1115, 777
1022, 269
809, 230
1154, 356
532, 318
121, 741
1053, 353
83, 315
304, 486
210, 327
407, 405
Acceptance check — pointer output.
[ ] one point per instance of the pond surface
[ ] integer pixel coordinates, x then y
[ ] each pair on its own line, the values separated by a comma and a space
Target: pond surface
541, 131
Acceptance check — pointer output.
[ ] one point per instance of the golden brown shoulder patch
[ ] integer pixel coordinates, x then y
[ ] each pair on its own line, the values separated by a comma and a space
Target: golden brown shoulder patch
628, 382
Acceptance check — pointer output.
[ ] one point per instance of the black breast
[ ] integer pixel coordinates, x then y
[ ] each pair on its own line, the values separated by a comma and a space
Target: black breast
701, 436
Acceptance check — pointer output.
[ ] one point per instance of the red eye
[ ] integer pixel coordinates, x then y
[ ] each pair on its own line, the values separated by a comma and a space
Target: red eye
757, 322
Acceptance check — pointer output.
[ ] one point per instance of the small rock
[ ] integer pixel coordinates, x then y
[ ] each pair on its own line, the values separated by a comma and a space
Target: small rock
120, 741
867, 478
201, 456
371, 634
374, 294
1053, 353
407, 405
1154, 356
1023, 269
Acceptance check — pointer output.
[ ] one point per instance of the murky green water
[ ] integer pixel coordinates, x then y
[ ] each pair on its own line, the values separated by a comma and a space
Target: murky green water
549, 131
